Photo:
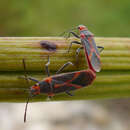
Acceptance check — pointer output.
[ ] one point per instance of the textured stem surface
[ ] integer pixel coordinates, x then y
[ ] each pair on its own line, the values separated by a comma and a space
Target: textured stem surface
112, 82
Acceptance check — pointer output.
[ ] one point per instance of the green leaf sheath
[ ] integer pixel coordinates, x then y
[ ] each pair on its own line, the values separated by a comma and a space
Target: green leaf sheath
112, 82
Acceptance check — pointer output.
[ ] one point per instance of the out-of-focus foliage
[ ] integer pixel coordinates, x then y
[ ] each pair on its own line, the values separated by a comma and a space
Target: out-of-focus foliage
51, 17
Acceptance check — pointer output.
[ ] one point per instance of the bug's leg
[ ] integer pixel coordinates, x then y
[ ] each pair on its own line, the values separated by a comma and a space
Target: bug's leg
25, 72
73, 33
77, 52
101, 48
46, 67
49, 98
51, 90
48, 72
29, 78
51, 84
67, 31
70, 94
64, 66
50, 95
76, 42
33, 79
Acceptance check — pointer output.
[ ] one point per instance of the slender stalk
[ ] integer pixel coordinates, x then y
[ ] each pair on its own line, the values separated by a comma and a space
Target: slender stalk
112, 82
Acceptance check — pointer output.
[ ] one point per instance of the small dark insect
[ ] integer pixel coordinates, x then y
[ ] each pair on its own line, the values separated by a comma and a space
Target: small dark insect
59, 83
49, 46
89, 45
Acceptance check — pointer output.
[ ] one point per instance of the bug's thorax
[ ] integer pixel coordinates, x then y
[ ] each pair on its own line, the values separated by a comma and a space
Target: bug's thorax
48, 80
82, 35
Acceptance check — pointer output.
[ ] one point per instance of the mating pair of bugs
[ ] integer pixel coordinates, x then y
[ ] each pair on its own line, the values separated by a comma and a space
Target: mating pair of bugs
67, 82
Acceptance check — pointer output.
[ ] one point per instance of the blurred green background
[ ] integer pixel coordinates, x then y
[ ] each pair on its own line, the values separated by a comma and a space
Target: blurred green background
109, 18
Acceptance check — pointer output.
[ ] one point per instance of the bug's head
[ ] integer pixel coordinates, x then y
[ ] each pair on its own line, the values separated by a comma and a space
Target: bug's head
82, 27
35, 89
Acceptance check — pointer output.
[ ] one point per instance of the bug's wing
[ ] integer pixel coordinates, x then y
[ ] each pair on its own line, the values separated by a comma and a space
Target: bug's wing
84, 78
74, 80
91, 52
64, 77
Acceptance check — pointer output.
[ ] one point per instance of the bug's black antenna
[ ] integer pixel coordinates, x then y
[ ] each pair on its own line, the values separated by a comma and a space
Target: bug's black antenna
25, 72
27, 80
68, 31
26, 109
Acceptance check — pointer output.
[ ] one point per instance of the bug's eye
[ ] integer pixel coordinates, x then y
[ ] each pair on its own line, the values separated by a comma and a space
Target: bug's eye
79, 27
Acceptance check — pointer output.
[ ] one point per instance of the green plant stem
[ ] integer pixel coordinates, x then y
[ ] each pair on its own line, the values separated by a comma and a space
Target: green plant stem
112, 82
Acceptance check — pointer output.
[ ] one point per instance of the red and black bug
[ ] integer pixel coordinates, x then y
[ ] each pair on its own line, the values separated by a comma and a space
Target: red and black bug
88, 43
59, 83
